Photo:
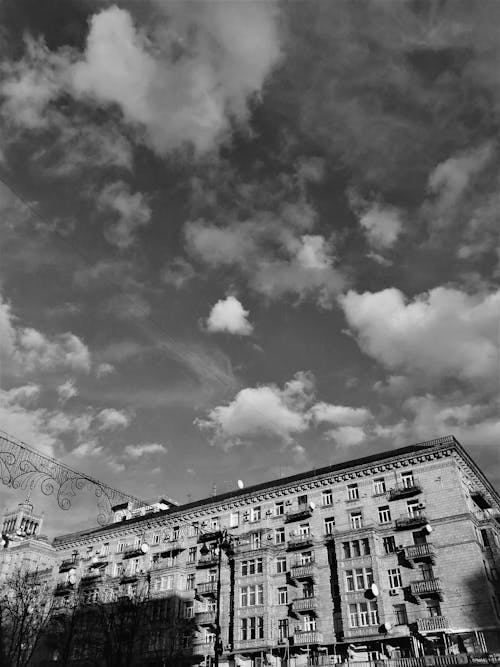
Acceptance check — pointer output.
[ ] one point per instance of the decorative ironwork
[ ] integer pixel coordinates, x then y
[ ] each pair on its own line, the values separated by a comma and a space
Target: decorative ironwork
22, 467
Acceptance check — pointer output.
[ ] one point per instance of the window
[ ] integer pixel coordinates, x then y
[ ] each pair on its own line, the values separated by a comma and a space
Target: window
188, 610
279, 535
190, 581
356, 548
279, 508
419, 538
105, 549
400, 614
120, 547
250, 596
365, 546
281, 564
195, 528
212, 575
234, 519
192, 555
362, 614
255, 513
352, 492
309, 623
329, 525
252, 628
407, 480
253, 566
389, 544
495, 606
283, 595
379, 486
384, 514
433, 607
426, 571
175, 533
485, 538
359, 579
167, 583
302, 500
413, 507
255, 540
282, 628
327, 497
214, 523
395, 578
304, 529
305, 558
156, 538
356, 520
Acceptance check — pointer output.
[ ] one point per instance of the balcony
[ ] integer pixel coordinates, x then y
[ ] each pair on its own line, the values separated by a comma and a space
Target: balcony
202, 647
409, 522
253, 644
63, 587
305, 638
425, 587
205, 618
299, 541
67, 565
207, 588
365, 631
404, 490
207, 561
302, 512
302, 571
128, 578
420, 552
211, 536
132, 551
432, 623
304, 604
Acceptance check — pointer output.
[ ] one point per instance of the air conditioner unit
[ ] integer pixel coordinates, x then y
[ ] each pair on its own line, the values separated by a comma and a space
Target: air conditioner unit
393, 591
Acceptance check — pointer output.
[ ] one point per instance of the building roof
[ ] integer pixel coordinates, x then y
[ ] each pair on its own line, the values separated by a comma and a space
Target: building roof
284, 481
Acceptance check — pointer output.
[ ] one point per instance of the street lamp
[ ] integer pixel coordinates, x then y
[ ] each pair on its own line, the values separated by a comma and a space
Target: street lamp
224, 543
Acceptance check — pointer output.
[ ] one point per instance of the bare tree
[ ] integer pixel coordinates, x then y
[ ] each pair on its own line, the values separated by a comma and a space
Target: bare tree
25, 608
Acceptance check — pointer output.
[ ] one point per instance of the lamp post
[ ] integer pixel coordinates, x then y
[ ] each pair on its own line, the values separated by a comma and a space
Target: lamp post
224, 543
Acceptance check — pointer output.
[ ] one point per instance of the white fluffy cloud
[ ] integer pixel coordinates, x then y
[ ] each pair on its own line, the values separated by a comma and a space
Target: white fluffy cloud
67, 390
144, 449
129, 212
270, 412
443, 333
228, 315
111, 419
381, 225
24, 350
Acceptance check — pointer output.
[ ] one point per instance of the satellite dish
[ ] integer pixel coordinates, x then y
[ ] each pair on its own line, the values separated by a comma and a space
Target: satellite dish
144, 548
374, 590
428, 528
72, 579
72, 572
95, 559
312, 504
240, 484
387, 627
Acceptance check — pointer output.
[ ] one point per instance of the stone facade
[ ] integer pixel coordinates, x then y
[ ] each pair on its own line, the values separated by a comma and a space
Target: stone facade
393, 556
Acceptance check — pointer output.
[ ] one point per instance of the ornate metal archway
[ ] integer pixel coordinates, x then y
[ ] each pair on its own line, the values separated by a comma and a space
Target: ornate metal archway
23, 467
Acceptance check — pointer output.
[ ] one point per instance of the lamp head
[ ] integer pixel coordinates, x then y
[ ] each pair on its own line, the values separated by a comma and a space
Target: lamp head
204, 550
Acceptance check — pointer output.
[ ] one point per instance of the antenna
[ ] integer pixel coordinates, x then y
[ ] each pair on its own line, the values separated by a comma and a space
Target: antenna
240, 484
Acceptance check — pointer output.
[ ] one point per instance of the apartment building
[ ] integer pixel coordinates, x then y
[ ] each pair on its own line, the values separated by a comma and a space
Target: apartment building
394, 556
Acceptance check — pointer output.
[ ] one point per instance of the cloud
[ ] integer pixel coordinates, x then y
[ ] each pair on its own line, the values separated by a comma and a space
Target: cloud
129, 212
104, 369
111, 419
177, 272
25, 395
229, 316
265, 411
144, 449
340, 414
381, 225
183, 81
442, 333
67, 390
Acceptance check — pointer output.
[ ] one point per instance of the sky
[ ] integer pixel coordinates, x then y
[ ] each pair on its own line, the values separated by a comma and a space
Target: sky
243, 239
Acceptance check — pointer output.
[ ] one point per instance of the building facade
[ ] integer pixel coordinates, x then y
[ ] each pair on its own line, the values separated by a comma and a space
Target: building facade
388, 557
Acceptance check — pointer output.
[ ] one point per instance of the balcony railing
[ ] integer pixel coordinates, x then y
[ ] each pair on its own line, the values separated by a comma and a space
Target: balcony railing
432, 623
304, 638
210, 536
365, 631
305, 604
299, 541
299, 513
132, 551
67, 565
205, 617
207, 561
207, 588
407, 522
302, 571
63, 587
404, 490
418, 551
90, 577
425, 586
